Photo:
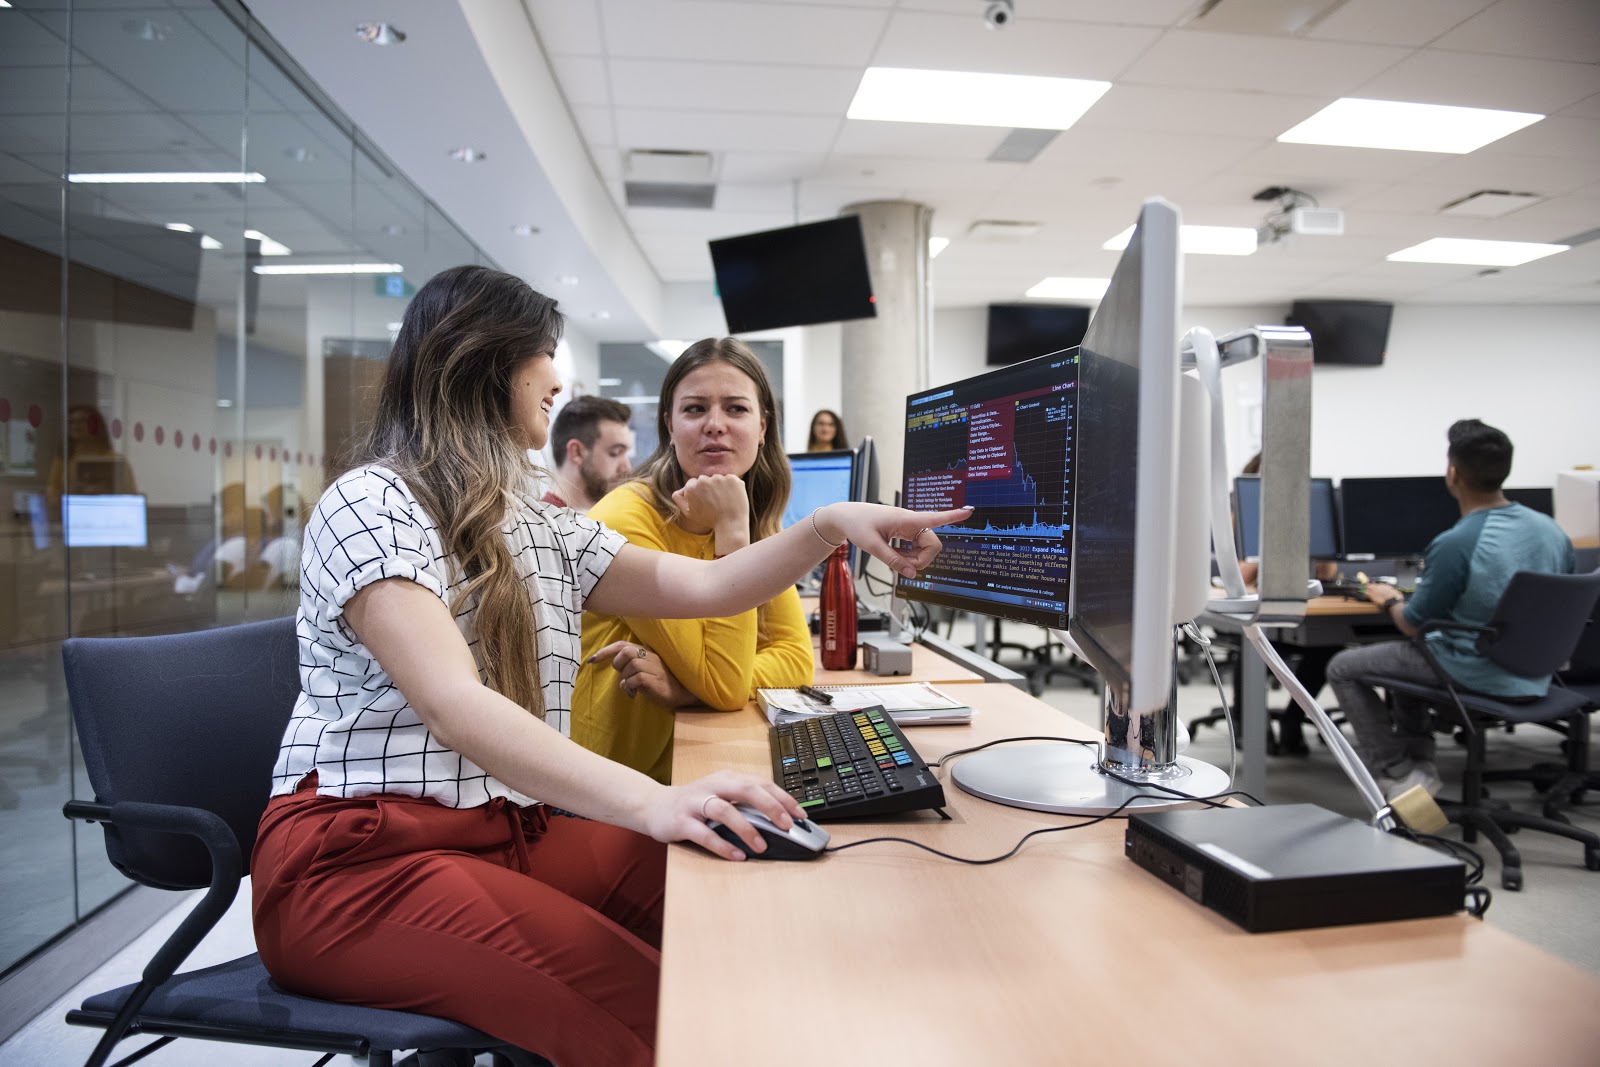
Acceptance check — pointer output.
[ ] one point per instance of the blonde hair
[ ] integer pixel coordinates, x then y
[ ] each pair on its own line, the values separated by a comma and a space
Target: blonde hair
443, 423
767, 481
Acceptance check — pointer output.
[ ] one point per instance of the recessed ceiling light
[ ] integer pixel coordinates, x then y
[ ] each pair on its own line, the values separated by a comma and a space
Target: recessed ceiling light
610, 383
378, 33
393, 327
1489, 204
1070, 289
467, 155
522, 229
197, 177
300, 155
567, 279
602, 315
329, 268
1201, 240
964, 98
1354, 123
210, 244
937, 245
394, 229
181, 227
145, 29
224, 402
1475, 252
269, 247
668, 350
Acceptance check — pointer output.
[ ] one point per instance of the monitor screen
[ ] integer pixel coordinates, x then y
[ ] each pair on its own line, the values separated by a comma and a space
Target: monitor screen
1023, 331
1002, 442
794, 277
815, 479
1542, 500
1345, 331
1324, 517
1394, 517
103, 520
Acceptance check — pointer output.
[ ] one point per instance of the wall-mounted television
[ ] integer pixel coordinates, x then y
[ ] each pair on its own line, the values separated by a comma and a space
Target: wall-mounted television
1023, 331
795, 276
1355, 332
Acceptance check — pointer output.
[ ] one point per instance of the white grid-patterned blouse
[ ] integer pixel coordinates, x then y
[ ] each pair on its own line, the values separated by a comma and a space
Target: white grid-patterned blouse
350, 724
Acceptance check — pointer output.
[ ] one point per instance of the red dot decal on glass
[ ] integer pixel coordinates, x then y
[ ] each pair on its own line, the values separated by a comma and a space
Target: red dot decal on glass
5, 409
138, 431
258, 451
197, 443
274, 455
177, 438
297, 459
116, 429
213, 446
227, 450
35, 415
161, 434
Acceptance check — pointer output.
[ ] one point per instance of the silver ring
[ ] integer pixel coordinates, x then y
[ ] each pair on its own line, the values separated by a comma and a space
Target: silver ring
705, 802
643, 652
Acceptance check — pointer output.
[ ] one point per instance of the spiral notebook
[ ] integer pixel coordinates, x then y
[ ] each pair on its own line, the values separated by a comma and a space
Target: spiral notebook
907, 703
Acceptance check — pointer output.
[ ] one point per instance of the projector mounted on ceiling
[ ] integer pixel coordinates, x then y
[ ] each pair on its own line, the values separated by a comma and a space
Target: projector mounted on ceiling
1295, 212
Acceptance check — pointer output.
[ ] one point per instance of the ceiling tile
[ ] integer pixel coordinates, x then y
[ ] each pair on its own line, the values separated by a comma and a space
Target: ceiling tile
1538, 29
747, 166
565, 28
1299, 163
582, 80
1169, 110
1558, 135
700, 86
881, 171
1106, 152
917, 140
1125, 12
1474, 80
1041, 47
1414, 22
724, 131
1588, 108
595, 124
1192, 59
1550, 175
755, 33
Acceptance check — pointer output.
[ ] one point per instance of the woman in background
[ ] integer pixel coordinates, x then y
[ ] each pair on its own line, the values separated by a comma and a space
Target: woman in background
718, 481
827, 433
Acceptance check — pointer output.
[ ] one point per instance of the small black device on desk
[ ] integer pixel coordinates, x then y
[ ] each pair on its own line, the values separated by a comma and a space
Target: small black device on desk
851, 763
1348, 588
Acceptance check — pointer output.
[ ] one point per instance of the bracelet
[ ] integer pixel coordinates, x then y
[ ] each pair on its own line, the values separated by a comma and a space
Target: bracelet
818, 532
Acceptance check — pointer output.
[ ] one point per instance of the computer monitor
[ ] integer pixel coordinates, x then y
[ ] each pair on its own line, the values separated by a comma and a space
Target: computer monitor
1002, 442
1541, 499
1324, 542
104, 520
1394, 518
866, 471
818, 478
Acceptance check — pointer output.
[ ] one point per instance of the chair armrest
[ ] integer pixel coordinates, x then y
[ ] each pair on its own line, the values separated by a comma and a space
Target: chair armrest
1437, 625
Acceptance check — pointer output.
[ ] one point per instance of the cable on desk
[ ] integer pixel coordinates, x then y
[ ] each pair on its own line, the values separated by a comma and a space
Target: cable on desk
1457, 850
936, 764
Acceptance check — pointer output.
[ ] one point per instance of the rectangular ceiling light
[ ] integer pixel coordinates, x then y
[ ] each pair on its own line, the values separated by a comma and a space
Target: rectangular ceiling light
963, 98
329, 268
1201, 240
1354, 123
937, 245
1070, 289
1474, 252
269, 247
195, 177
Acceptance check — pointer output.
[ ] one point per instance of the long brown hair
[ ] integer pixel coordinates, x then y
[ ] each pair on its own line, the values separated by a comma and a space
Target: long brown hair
443, 423
767, 481
840, 441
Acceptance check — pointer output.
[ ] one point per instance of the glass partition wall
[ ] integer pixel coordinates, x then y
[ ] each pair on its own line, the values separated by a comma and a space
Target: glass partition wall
175, 389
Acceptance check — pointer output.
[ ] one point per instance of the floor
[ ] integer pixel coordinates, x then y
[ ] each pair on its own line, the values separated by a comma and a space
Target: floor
1556, 910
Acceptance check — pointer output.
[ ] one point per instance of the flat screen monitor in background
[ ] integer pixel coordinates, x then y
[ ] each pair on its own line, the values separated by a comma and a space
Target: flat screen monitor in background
1324, 517
794, 277
818, 478
1542, 500
1002, 442
1394, 518
108, 520
1024, 331
866, 488
1345, 331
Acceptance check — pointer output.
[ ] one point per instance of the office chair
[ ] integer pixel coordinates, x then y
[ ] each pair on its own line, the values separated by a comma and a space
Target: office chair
1536, 625
179, 736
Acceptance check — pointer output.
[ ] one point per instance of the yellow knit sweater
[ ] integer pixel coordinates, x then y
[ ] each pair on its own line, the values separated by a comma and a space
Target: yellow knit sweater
721, 661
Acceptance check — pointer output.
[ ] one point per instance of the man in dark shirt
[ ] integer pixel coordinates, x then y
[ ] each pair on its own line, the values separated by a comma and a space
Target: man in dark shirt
592, 447
1465, 569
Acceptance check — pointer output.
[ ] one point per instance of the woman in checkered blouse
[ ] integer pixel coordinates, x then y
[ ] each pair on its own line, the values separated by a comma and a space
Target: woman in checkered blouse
409, 858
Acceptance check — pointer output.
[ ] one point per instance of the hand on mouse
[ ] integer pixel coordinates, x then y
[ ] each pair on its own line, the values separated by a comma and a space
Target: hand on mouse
681, 813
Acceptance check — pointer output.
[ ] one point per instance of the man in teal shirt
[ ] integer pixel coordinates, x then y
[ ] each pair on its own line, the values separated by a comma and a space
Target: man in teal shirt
1465, 569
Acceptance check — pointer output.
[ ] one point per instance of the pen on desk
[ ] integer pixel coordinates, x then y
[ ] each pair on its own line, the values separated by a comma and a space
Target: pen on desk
815, 694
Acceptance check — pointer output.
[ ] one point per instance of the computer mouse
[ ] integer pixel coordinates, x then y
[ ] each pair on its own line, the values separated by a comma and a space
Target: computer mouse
804, 841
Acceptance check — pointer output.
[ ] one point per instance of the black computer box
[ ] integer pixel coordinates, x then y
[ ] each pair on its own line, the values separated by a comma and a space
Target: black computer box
1294, 866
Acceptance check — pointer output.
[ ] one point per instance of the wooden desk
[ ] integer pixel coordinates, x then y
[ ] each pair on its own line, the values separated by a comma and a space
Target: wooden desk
926, 666
1065, 953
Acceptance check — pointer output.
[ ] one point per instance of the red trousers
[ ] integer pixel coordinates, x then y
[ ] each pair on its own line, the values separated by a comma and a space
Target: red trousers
543, 931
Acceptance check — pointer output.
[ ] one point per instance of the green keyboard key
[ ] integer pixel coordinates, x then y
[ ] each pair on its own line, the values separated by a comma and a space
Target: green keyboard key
825, 761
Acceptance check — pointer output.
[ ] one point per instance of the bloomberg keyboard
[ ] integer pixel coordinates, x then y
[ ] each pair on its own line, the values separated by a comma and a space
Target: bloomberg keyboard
851, 763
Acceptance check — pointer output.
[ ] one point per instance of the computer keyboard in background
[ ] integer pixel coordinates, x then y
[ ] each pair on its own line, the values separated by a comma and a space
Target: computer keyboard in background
851, 763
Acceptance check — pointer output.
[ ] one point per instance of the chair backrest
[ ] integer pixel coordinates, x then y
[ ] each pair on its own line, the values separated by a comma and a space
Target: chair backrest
1539, 620
1584, 667
190, 719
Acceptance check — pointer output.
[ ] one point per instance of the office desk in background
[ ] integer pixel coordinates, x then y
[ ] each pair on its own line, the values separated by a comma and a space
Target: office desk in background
1065, 953
926, 666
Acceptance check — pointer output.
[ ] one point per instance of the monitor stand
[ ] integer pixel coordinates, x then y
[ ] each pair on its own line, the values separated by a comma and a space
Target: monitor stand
1069, 779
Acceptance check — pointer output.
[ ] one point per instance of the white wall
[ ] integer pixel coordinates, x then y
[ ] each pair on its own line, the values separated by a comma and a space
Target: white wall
1533, 371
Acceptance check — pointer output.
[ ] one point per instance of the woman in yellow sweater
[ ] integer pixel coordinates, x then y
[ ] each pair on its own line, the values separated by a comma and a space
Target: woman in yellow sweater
718, 481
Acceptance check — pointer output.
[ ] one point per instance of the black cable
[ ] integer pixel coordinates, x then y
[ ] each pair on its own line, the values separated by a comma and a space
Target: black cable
936, 764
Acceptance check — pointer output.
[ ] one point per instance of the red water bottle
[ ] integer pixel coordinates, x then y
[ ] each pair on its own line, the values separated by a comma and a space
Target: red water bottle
838, 612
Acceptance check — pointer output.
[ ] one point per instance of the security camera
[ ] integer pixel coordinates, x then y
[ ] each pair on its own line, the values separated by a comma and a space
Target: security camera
997, 14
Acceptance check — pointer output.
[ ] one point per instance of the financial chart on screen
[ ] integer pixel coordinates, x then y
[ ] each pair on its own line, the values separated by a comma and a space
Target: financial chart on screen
1003, 443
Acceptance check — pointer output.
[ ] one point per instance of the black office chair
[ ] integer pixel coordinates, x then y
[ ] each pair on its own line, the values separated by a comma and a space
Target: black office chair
179, 736
1535, 627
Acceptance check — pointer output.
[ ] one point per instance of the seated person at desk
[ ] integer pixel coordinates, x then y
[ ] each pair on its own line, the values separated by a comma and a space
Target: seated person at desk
402, 861
827, 432
717, 482
592, 448
1464, 571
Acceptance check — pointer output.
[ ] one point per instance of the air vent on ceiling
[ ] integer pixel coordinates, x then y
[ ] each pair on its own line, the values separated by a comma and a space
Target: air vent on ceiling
1001, 230
1020, 146
1264, 17
669, 177
1489, 203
